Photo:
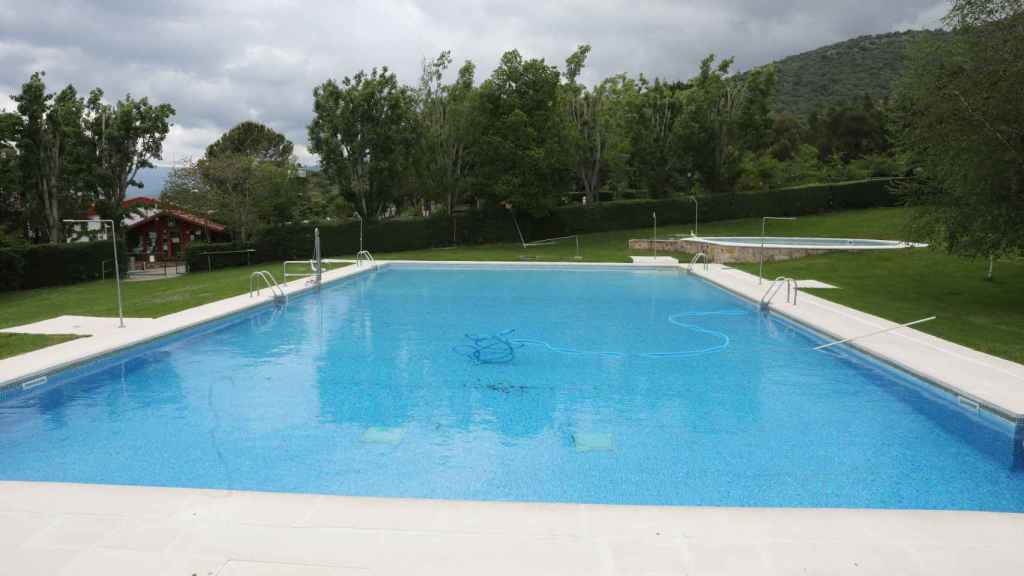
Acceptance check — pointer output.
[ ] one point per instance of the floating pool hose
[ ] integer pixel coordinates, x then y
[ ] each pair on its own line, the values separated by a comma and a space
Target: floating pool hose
500, 348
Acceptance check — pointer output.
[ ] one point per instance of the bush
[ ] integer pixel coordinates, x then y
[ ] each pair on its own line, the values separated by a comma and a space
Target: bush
40, 265
11, 267
197, 260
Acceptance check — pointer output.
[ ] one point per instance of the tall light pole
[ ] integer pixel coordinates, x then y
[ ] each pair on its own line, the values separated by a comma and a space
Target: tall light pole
117, 270
360, 231
696, 207
764, 222
654, 243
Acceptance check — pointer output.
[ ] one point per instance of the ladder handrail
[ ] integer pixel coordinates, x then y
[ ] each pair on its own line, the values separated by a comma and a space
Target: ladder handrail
776, 286
697, 256
365, 256
269, 281
311, 263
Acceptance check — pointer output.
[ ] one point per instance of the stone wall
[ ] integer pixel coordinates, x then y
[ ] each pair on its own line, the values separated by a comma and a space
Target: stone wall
719, 253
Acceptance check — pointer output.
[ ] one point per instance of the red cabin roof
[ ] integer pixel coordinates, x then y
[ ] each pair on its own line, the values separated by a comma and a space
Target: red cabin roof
183, 216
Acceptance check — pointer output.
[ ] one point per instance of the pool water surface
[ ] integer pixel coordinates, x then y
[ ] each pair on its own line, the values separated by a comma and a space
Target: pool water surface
596, 385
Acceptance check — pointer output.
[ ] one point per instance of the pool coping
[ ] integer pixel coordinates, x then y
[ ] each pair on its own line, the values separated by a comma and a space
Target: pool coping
995, 384
68, 528
28, 369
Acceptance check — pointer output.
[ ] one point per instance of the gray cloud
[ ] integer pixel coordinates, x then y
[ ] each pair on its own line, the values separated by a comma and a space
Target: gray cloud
223, 62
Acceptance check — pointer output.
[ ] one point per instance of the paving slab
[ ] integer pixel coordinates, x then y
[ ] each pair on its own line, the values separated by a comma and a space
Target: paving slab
218, 533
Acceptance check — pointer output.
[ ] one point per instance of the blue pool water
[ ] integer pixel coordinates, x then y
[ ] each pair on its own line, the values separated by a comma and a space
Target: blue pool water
604, 386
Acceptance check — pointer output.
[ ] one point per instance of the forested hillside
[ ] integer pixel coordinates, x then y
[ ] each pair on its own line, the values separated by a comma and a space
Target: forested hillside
841, 72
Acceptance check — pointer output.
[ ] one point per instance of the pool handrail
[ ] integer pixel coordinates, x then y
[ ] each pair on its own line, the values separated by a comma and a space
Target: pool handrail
364, 256
774, 289
270, 282
696, 257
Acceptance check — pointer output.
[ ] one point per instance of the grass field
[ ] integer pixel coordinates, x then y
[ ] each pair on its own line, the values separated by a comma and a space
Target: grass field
899, 285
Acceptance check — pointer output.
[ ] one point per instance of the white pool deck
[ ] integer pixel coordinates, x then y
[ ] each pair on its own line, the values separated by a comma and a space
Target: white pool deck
76, 529
53, 528
995, 383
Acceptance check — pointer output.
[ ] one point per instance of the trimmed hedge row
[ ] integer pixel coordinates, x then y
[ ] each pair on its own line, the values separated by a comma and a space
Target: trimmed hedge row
42, 265
295, 242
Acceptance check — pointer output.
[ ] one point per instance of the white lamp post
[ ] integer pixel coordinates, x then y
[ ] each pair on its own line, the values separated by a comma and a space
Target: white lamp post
696, 207
764, 222
117, 271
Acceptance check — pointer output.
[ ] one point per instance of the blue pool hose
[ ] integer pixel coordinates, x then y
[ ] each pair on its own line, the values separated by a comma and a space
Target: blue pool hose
500, 348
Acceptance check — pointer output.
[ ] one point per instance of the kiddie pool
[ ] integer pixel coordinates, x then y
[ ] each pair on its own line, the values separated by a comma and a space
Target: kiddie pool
750, 248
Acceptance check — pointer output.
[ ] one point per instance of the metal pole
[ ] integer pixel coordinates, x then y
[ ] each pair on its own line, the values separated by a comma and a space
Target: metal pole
764, 222
117, 268
360, 231
654, 243
117, 276
696, 224
319, 260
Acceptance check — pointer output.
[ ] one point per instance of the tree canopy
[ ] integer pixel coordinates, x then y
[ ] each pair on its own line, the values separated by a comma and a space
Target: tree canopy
364, 129
962, 129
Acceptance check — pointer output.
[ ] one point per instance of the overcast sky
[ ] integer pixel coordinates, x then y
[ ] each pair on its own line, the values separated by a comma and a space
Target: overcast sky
223, 61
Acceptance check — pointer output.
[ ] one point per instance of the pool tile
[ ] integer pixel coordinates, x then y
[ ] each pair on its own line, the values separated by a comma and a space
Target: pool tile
375, 435
593, 441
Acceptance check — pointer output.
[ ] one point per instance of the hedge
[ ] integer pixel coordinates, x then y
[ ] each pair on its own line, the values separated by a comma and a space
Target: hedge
42, 265
295, 242
197, 260
11, 267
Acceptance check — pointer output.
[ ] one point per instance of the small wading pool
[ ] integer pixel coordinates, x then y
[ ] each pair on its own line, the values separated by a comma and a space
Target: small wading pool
751, 248
557, 384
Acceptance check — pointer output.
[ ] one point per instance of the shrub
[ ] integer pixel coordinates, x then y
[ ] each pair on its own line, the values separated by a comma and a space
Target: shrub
197, 259
40, 265
11, 267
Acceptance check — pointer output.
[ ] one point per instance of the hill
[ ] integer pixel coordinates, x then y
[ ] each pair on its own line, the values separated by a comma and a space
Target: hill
844, 71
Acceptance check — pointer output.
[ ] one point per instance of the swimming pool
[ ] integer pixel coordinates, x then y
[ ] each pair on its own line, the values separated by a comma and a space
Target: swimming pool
595, 385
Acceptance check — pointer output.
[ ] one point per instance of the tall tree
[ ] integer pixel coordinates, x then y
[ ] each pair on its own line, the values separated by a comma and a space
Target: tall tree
962, 116
447, 130
255, 140
524, 160
51, 150
12, 200
726, 114
363, 129
655, 141
127, 137
589, 136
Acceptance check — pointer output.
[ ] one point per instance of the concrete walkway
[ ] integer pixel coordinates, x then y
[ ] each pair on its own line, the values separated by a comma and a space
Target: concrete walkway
112, 530
80, 325
994, 383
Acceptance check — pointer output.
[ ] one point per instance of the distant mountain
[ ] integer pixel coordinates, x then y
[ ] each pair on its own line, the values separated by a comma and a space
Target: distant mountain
844, 71
152, 182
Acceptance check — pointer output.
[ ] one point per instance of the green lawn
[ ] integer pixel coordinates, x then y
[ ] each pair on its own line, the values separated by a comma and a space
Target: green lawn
899, 285
148, 299
882, 223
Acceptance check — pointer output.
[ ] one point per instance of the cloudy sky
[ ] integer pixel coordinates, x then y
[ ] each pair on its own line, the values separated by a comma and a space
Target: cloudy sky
223, 61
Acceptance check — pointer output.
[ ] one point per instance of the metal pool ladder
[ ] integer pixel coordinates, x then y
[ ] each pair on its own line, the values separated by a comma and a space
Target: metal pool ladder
363, 257
697, 257
270, 282
774, 289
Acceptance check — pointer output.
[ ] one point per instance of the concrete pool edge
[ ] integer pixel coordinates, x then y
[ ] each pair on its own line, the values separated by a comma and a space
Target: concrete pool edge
996, 384
25, 369
64, 528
